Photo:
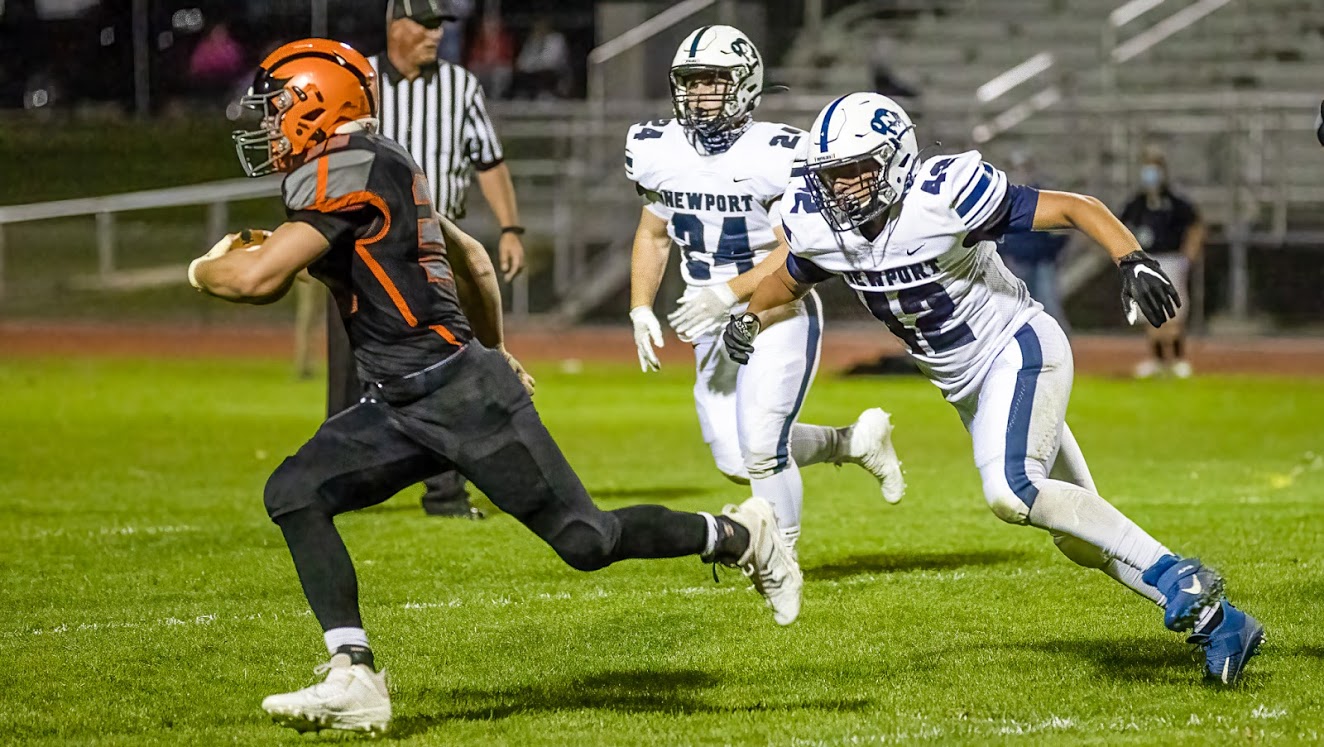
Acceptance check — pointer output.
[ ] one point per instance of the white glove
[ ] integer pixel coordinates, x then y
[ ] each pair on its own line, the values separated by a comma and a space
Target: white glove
246, 239
647, 334
703, 312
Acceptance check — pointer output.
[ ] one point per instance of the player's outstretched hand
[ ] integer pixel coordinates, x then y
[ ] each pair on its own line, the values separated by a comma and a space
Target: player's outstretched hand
739, 336
702, 312
524, 377
647, 334
1147, 290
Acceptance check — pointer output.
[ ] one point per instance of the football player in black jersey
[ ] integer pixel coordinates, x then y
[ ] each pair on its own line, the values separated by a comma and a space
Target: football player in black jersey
422, 307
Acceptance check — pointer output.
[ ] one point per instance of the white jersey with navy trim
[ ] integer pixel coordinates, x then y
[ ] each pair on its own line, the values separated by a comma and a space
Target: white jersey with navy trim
717, 207
955, 307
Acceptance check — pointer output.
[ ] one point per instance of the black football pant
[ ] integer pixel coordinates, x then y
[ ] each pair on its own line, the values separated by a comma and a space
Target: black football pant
467, 413
445, 490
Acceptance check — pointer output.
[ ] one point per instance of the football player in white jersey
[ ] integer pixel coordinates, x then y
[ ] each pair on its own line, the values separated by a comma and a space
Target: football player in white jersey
914, 239
710, 178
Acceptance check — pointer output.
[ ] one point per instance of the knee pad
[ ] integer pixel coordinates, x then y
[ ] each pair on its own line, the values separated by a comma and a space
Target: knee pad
582, 546
286, 491
1080, 552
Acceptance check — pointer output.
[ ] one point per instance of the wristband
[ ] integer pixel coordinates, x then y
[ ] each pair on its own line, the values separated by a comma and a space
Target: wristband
517, 230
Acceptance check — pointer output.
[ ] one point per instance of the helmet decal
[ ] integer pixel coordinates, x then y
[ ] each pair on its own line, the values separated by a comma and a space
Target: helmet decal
886, 122
827, 120
694, 47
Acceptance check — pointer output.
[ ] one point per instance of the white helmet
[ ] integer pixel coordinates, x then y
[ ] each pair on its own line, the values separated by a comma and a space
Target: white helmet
728, 54
872, 134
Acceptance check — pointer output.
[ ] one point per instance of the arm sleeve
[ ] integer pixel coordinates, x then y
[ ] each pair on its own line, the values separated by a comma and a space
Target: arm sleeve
1014, 214
480, 137
805, 271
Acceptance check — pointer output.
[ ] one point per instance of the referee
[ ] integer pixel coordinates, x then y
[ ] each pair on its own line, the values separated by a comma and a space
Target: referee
436, 110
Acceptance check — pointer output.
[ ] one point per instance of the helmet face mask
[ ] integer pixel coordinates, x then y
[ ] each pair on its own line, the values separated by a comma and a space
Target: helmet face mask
862, 162
852, 192
264, 150
716, 81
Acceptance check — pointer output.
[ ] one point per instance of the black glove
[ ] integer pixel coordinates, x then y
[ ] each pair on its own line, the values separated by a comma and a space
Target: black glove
739, 336
1147, 287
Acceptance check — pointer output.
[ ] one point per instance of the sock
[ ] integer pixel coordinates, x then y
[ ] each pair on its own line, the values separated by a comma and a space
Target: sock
1069, 509
1129, 576
710, 544
1159, 351
1179, 348
337, 637
325, 570
731, 542
816, 444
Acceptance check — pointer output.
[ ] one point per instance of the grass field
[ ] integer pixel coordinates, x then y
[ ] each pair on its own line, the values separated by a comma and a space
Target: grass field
146, 598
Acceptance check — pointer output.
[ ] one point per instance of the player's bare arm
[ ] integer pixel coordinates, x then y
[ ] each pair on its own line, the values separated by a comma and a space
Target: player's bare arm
261, 273
479, 293
476, 282
648, 263
1146, 289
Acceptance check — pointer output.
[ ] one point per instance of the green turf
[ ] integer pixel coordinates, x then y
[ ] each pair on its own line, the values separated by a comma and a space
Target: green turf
145, 598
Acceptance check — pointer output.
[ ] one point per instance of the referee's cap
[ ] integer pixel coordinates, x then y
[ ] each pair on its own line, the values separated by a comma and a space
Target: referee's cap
426, 13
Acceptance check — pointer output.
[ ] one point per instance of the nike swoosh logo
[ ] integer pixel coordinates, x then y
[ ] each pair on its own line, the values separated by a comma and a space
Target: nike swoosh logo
742, 179
911, 253
1141, 268
1195, 586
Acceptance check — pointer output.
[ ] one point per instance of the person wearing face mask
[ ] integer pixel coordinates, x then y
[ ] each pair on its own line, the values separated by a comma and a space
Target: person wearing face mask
1169, 227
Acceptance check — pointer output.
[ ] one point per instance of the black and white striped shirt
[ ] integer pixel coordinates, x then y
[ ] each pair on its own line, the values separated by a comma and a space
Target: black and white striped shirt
441, 119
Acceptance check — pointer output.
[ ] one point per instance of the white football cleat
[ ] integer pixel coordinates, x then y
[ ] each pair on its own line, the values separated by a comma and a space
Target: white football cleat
871, 448
1182, 370
767, 561
351, 698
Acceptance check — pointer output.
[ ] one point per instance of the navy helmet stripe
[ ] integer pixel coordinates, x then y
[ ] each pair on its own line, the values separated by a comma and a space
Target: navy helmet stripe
694, 46
827, 119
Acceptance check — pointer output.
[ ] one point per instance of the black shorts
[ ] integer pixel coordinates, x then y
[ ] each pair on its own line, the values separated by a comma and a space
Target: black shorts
469, 413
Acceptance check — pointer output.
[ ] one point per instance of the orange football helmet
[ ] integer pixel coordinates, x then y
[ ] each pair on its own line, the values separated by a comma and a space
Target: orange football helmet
303, 92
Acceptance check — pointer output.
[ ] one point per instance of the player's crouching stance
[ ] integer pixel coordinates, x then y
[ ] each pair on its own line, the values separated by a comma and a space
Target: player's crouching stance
423, 311
709, 178
914, 240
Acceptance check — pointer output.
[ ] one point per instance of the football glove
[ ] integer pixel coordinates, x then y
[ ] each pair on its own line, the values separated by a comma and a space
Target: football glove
647, 334
702, 312
739, 336
1147, 290
249, 239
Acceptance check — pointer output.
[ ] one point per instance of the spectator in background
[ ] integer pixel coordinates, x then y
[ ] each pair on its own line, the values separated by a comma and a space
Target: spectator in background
1032, 257
1168, 227
492, 56
543, 68
217, 61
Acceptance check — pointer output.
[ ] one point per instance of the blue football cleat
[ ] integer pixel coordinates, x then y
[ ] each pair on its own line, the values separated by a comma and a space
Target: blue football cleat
1229, 646
1187, 586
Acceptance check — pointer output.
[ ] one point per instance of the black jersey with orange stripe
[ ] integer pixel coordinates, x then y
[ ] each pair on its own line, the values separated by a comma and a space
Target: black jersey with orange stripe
387, 266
